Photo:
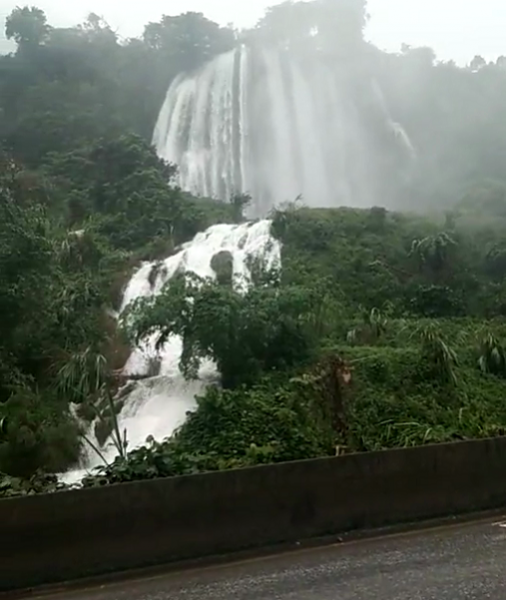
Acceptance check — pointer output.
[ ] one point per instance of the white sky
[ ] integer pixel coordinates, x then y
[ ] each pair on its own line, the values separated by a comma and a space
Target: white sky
456, 29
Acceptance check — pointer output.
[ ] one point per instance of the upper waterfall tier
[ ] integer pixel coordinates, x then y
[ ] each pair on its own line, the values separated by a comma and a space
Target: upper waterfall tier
278, 125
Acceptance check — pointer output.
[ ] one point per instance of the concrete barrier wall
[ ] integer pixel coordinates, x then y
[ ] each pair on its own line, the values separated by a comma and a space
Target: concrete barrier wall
52, 538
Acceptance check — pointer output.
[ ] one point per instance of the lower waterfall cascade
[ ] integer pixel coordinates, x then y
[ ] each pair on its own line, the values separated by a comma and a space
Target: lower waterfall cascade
157, 405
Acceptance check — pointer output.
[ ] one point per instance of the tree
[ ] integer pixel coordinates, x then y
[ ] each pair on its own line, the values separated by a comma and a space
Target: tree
263, 330
477, 63
501, 62
492, 357
374, 327
434, 252
335, 26
495, 260
53, 287
40, 434
27, 26
187, 41
440, 354
122, 180
239, 203
87, 377
436, 301
26, 251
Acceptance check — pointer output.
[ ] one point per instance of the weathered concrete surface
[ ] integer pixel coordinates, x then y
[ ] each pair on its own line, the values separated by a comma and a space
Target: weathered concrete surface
68, 536
460, 563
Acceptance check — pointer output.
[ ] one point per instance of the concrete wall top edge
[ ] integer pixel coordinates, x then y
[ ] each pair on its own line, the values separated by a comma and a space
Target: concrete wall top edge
359, 460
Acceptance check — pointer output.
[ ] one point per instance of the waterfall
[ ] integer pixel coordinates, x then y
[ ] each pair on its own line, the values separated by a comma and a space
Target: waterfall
276, 124
157, 405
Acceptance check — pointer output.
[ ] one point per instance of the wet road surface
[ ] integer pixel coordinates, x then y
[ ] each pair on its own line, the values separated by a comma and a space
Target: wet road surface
466, 562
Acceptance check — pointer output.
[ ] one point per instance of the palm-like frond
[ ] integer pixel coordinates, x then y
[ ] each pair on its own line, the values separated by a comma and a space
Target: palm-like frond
440, 353
492, 357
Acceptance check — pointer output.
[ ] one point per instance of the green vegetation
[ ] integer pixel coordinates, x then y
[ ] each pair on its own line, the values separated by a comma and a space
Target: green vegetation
382, 329
398, 341
83, 199
265, 329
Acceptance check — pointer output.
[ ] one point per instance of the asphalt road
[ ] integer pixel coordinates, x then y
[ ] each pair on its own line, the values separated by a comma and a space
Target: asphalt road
464, 562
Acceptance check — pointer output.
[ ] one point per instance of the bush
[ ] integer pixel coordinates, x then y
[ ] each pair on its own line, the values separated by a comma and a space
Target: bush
265, 329
39, 435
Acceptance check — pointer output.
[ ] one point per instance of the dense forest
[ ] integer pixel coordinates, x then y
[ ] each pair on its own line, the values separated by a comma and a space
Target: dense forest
383, 328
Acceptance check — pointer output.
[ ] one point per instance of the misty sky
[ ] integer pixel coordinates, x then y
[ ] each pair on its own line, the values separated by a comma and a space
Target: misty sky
455, 29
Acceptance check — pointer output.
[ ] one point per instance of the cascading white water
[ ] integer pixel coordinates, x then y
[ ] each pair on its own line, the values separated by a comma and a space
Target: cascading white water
266, 123
275, 124
157, 405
